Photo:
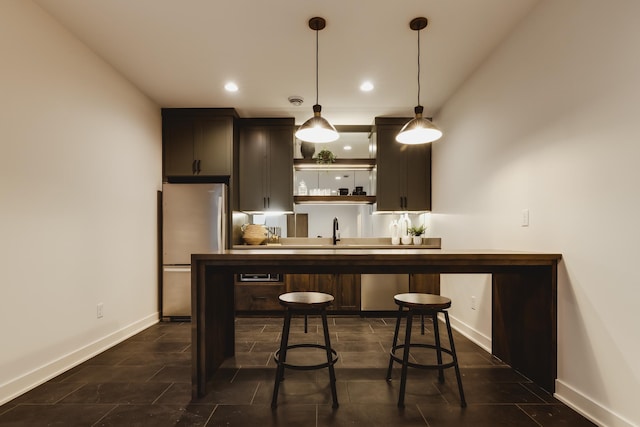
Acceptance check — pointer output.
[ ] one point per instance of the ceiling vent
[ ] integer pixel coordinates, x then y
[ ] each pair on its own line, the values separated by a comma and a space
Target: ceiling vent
296, 100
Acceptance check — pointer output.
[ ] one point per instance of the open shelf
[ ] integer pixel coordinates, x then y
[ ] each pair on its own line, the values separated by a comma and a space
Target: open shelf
360, 200
339, 164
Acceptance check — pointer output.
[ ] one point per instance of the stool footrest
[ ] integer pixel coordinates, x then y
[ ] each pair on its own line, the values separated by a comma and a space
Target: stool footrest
422, 365
276, 356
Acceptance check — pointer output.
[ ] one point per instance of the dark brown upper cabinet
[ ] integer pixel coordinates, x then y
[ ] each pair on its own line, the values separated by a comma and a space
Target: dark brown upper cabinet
198, 141
403, 181
265, 164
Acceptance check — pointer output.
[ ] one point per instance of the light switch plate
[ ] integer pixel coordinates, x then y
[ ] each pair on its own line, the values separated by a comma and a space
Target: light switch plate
524, 221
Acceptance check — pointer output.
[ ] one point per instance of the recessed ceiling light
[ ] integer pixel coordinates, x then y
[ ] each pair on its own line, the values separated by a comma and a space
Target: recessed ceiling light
347, 147
231, 87
366, 86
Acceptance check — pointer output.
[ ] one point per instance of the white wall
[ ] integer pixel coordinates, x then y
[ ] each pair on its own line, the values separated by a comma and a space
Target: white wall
550, 124
80, 166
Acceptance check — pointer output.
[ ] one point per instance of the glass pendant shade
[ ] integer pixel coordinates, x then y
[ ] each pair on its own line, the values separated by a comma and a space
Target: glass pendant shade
418, 130
317, 129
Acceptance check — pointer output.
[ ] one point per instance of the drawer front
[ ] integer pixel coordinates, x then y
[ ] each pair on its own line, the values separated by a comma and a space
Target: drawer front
258, 297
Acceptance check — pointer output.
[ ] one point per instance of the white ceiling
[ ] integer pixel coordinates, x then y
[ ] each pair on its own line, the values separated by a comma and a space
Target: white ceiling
181, 52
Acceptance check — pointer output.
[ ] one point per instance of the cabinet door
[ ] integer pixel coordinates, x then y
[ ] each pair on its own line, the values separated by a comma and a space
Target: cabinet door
418, 189
266, 167
197, 141
252, 168
298, 282
392, 170
214, 145
347, 292
345, 288
404, 171
178, 136
325, 283
257, 296
280, 168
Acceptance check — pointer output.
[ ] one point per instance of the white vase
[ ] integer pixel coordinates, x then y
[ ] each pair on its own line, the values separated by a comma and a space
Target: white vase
417, 240
395, 240
406, 240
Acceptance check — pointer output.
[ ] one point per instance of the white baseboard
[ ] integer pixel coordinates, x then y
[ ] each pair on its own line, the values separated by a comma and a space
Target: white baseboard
472, 334
20, 385
571, 397
589, 408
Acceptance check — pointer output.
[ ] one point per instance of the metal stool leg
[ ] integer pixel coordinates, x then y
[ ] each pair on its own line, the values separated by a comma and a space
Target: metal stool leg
394, 343
405, 359
463, 402
332, 373
305, 323
422, 324
282, 356
436, 333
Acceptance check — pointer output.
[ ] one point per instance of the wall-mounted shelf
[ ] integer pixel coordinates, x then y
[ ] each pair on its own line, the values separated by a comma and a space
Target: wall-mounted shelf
356, 200
339, 164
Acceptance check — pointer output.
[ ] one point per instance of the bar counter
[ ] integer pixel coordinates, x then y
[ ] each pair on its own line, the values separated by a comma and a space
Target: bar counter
524, 297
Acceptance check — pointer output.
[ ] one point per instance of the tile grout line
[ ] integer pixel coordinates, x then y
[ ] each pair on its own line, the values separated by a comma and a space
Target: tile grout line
162, 394
105, 415
525, 412
422, 415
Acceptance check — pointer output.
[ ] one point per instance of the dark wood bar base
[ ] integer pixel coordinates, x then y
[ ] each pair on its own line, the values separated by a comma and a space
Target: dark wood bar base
524, 301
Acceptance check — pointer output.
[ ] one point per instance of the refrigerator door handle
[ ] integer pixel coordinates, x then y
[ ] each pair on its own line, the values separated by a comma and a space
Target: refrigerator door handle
220, 223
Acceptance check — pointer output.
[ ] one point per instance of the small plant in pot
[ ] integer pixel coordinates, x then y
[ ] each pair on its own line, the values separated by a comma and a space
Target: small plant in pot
325, 157
417, 233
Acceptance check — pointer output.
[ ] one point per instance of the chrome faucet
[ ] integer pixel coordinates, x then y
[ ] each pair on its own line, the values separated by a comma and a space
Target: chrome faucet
336, 231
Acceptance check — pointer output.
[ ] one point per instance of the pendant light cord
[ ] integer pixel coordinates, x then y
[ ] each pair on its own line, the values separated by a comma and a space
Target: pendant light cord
317, 67
418, 66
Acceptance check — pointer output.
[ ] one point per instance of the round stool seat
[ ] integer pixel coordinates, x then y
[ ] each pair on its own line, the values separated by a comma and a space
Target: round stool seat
301, 300
422, 301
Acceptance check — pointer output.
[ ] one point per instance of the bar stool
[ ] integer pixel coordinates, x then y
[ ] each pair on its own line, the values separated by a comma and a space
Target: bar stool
304, 303
423, 305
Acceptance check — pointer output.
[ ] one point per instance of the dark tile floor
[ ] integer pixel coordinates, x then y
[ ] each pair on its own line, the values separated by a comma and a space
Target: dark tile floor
146, 381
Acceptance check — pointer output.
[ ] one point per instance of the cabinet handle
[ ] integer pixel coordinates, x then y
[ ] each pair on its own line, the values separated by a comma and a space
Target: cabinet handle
255, 298
264, 202
268, 202
199, 166
193, 167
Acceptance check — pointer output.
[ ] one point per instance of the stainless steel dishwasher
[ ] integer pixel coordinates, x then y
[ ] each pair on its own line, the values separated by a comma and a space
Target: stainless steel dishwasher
377, 290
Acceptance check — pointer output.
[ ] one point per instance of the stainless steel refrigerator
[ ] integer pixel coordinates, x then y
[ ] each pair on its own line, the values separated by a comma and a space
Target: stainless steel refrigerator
194, 220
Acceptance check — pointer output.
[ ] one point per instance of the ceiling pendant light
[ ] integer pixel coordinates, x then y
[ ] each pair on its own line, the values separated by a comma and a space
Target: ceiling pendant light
418, 130
317, 129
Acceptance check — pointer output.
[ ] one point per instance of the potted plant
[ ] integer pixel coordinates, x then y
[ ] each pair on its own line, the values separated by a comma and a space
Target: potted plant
325, 157
417, 233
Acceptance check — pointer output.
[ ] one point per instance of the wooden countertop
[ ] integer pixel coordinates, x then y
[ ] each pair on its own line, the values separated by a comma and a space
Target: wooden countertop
376, 260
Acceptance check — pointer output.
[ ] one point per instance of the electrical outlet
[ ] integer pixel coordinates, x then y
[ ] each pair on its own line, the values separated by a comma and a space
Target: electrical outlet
473, 303
100, 310
524, 220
